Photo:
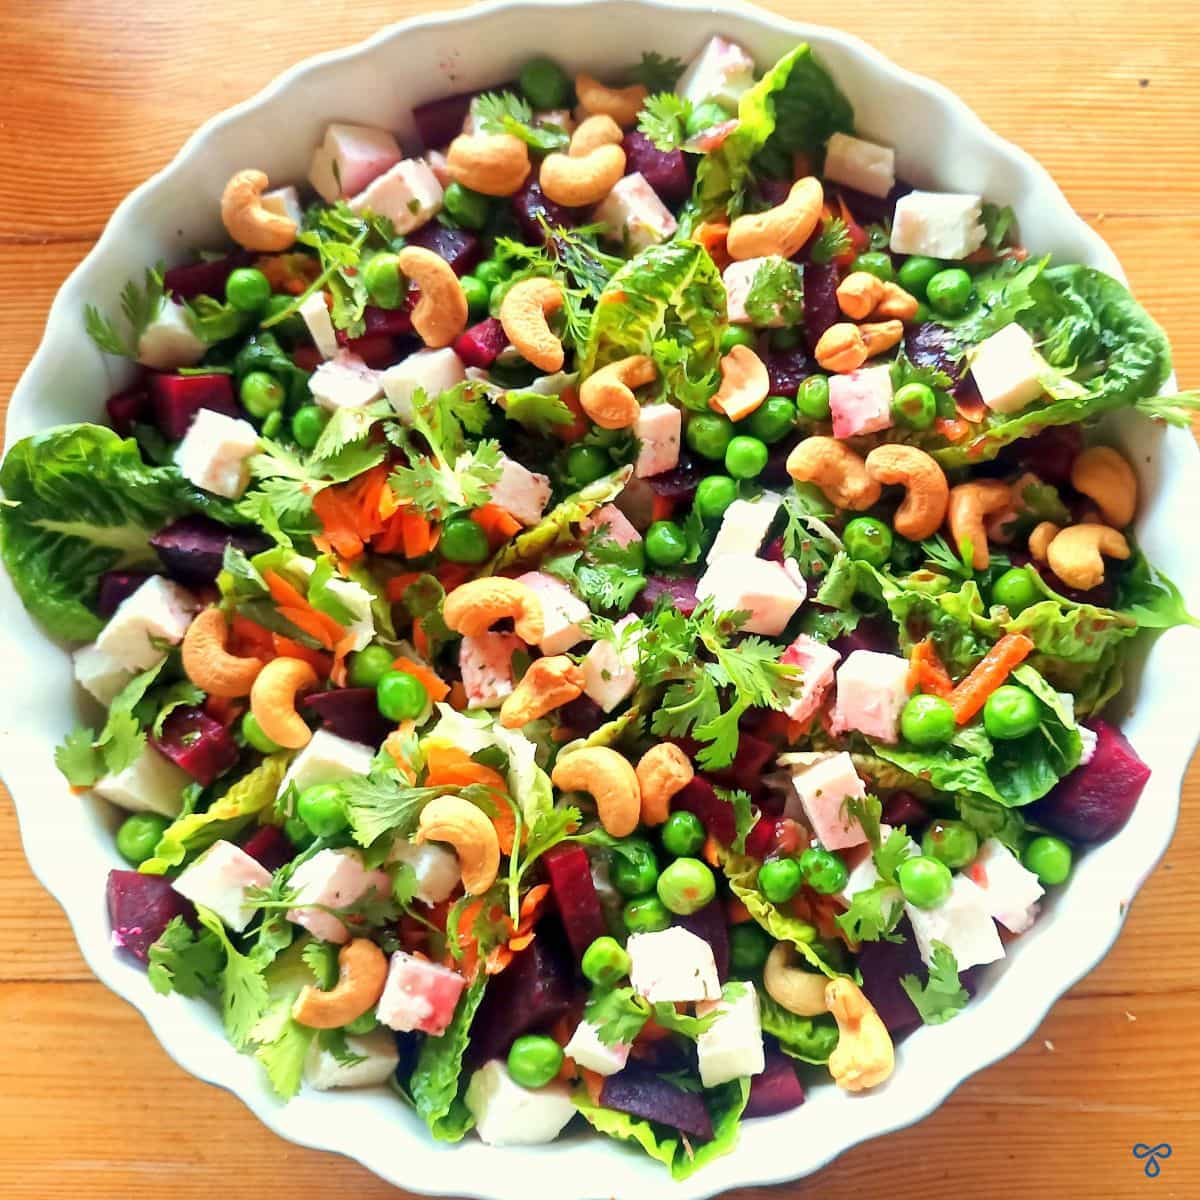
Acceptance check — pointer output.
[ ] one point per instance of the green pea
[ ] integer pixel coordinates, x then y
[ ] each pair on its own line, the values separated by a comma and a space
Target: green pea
823, 871
812, 398
737, 335
686, 886
401, 696
714, 495
954, 843
490, 272
308, 423
927, 721
1049, 858
261, 394
586, 464
544, 84
916, 272
924, 881
369, 666
784, 339
877, 263
605, 962
704, 116
320, 807
745, 457
949, 292
666, 544
772, 420
247, 289
868, 540
634, 870
709, 435
534, 1060
138, 836
1016, 590
780, 879
682, 834
1011, 712
384, 280
463, 541
915, 405
646, 914
298, 833
255, 738
478, 295
749, 945
468, 208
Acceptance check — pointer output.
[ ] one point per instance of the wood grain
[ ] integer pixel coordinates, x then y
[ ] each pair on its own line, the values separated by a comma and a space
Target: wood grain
97, 94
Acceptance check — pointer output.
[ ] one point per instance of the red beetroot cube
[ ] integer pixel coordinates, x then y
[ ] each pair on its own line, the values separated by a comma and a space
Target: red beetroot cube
178, 398
191, 739
480, 345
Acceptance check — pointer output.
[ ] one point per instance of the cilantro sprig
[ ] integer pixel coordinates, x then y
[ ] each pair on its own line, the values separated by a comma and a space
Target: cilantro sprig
139, 306
942, 997
506, 112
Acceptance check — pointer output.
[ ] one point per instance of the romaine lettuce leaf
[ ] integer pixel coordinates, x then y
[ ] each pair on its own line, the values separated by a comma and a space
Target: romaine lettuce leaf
809, 1039
436, 1079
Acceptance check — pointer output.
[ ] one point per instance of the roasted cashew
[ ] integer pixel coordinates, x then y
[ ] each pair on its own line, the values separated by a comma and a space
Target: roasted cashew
273, 701
494, 164
610, 779
895, 304
780, 230
362, 973
834, 468
441, 313
463, 825
577, 181
1040, 538
926, 491
744, 383
864, 1056
548, 684
661, 772
597, 131
970, 503
800, 992
607, 394
246, 220
622, 104
474, 607
1103, 475
523, 313
858, 294
841, 348
881, 336
209, 665
1075, 554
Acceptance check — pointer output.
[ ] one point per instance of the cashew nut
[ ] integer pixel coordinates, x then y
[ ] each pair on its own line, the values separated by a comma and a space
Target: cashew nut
622, 104
834, 468
495, 164
209, 665
440, 314
523, 313
1040, 538
858, 294
248, 222
578, 180
610, 779
474, 607
548, 684
780, 230
881, 336
273, 701
607, 395
800, 992
744, 383
864, 1056
895, 304
362, 973
593, 133
1075, 554
970, 504
461, 824
926, 491
661, 772
1104, 476
841, 348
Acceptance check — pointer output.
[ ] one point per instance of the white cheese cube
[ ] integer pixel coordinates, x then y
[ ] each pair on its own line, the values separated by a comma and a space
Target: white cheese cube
419, 996
961, 923
349, 158
744, 526
610, 668
316, 316
673, 965
99, 673
219, 879
732, 1047
214, 451
869, 167
487, 670
764, 589
738, 278
632, 214
507, 1114
563, 613
822, 791
408, 194
345, 381
522, 492
816, 663
377, 1050
333, 878
938, 224
872, 689
435, 867
327, 758
861, 401
608, 521
657, 429
159, 611
1008, 370
151, 783
169, 342
357, 601
1010, 891
432, 371
1090, 741
586, 1050
721, 72
284, 202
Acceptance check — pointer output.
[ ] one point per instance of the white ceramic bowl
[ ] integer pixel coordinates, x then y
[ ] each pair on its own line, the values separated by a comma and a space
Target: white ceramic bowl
939, 143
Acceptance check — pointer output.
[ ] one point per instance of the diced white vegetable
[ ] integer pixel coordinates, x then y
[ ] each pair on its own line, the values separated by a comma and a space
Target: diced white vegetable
435, 867
861, 401
327, 758
408, 194
961, 923
345, 381
333, 878
658, 428
419, 996
1090, 740
732, 1047
377, 1050
99, 673
822, 791
1008, 370
672, 965
357, 601
721, 72
433, 371
938, 224
169, 342
872, 689
869, 167
487, 670
349, 158
316, 316
507, 1114
219, 878
611, 522
586, 1050
285, 202
159, 611
1010, 891
817, 663
214, 451
632, 213
764, 589
738, 278
563, 613
522, 492
744, 526
609, 673
151, 783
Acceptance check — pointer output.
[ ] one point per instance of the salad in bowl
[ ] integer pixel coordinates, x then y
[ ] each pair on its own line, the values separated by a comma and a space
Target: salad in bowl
606, 619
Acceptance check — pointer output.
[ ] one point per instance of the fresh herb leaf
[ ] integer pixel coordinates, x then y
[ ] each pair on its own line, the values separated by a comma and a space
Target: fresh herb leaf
832, 242
506, 112
537, 412
999, 223
942, 997
244, 991
656, 73
776, 294
284, 1049
321, 958
664, 119
139, 305
873, 914
184, 961
618, 1015
744, 814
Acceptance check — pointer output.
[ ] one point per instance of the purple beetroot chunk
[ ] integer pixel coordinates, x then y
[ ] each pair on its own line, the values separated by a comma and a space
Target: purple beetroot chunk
191, 739
788, 369
583, 715
708, 924
903, 808
140, 907
715, 815
531, 206
1049, 455
930, 345
116, 586
205, 278
575, 894
1094, 801
680, 591
820, 301
664, 170
678, 484
752, 756
461, 248
440, 121
873, 210
390, 322
192, 549
870, 634
351, 713
481, 345
128, 408
178, 398
643, 1094
269, 848
777, 1089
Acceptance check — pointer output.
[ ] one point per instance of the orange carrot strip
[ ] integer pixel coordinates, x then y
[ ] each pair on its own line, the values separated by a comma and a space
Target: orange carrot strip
497, 522
580, 425
593, 1084
712, 235
286, 648
926, 671
437, 688
451, 766
951, 428
248, 639
988, 674
399, 584
712, 852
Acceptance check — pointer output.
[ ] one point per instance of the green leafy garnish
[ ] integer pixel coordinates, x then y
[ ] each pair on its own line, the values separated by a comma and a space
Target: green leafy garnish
776, 293
942, 997
656, 73
139, 306
184, 961
506, 112
436, 1079
832, 242
664, 119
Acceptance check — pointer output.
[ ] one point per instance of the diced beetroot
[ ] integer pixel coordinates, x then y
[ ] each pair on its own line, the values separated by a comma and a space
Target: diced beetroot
583, 715
307, 358
774, 191
128, 408
192, 549
930, 345
679, 483
643, 1094
709, 926
760, 839
531, 206
746, 770
178, 398
820, 301
461, 248
788, 369
377, 350
268, 846
205, 278
191, 739
664, 170
777, 1089
351, 713
680, 591
391, 322
1049, 455
873, 210
116, 586
775, 473
440, 121
870, 634
481, 345
140, 907
575, 894
715, 814
903, 808
1094, 801
883, 964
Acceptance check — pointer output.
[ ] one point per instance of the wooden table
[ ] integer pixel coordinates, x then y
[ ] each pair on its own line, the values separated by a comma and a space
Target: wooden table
97, 94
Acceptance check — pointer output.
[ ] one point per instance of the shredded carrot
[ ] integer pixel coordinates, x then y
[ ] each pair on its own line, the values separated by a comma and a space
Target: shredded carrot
436, 688
458, 696
301, 613
925, 671
953, 429
341, 649
580, 425
736, 913
290, 274
712, 852
420, 639
711, 235
988, 674
661, 508
223, 709
248, 639
522, 936
418, 535
593, 1083
447, 765
394, 744
399, 584
353, 513
859, 241
286, 648
497, 522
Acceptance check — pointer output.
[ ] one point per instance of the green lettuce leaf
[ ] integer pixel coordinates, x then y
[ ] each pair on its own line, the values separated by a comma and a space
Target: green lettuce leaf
1148, 597
436, 1079
809, 1039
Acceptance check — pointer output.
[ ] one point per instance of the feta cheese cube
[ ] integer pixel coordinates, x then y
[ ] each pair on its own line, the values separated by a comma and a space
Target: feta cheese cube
99, 673
419, 996
159, 611
284, 202
822, 791
673, 965
608, 521
1090, 741
563, 613
219, 878
872, 688
433, 371
764, 589
869, 167
345, 381
732, 1047
1007, 369
349, 158
408, 194
377, 1050
169, 342
316, 316
938, 224
1010, 891
507, 1114
333, 878
632, 213
609, 672
327, 758
861, 402
214, 451
586, 1050
721, 72
357, 601
435, 867
522, 492
657, 429
817, 663
738, 278
744, 526
961, 923
151, 783
486, 665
